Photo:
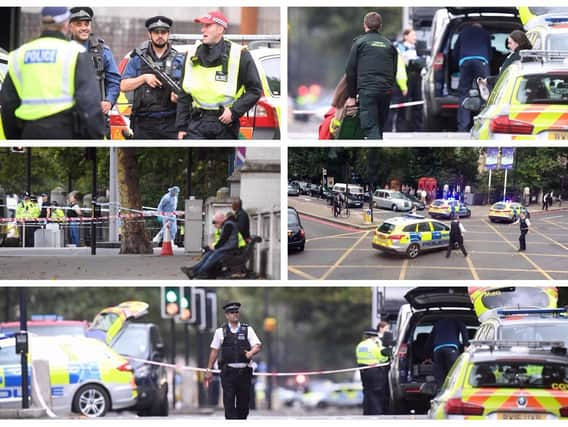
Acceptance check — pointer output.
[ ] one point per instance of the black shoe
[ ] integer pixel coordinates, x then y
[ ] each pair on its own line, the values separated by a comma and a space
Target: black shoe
464, 255
520, 250
447, 256
188, 272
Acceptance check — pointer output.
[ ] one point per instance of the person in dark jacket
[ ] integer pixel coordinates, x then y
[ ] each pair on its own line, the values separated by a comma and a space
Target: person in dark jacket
447, 340
371, 71
242, 218
228, 241
456, 236
220, 83
524, 225
473, 53
38, 98
516, 42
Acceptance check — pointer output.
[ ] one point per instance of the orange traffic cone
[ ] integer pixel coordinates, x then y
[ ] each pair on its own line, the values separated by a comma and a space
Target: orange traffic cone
167, 242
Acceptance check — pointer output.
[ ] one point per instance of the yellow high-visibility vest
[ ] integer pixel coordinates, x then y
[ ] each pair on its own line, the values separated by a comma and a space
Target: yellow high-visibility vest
242, 243
27, 210
210, 87
43, 73
368, 352
401, 74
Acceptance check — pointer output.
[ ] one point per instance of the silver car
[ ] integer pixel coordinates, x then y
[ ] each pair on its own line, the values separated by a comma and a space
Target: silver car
391, 199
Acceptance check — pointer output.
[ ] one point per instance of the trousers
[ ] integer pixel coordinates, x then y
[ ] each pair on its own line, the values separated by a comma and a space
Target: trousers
236, 383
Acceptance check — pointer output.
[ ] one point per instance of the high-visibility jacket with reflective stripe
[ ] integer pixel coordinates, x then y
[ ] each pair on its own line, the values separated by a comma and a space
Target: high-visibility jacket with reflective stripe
43, 73
27, 210
211, 87
217, 236
369, 352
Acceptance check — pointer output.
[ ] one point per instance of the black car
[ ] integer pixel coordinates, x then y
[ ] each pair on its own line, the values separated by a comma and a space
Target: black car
416, 202
144, 341
440, 82
355, 201
296, 233
411, 364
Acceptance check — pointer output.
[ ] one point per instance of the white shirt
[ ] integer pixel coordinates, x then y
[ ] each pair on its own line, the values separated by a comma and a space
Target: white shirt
218, 341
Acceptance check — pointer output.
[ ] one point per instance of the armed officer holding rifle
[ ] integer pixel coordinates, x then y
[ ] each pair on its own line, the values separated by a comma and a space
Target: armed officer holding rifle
154, 106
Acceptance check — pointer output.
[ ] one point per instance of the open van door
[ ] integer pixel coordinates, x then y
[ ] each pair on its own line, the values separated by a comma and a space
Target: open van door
111, 320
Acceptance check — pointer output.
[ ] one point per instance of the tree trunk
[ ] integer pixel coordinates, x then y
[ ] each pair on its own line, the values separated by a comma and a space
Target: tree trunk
134, 239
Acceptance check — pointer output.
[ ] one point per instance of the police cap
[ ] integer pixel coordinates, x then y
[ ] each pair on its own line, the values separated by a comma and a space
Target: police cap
158, 22
55, 14
371, 333
81, 13
232, 306
27, 195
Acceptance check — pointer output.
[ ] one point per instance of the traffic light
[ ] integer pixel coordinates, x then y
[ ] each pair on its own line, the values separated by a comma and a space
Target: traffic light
171, 301
187, 305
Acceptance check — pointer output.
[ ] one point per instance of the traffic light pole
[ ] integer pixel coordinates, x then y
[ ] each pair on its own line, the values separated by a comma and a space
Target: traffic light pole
94, 204
24, 354
173, 360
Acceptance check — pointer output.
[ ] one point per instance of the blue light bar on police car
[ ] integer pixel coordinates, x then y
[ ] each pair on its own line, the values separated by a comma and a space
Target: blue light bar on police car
514, 311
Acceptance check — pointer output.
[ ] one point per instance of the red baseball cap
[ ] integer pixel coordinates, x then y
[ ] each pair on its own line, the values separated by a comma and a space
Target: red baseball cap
213, 18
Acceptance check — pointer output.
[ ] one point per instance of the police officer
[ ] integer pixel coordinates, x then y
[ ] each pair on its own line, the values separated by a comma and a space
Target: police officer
241, 217
524, 224
221, 83
410, 119
108, 77
371, 70
237, 343
374, 380
456, 236
154, 108
51, 90
446, 341
28, 210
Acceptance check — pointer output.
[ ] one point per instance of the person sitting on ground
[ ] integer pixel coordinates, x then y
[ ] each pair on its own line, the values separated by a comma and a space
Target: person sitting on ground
221, 247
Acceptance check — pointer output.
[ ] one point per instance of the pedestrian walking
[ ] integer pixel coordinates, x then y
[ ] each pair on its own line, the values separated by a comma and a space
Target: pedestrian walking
51, 91
154, 106
524, 225
220, 81
374, 380
473, 52
371, 72
166, 212
449, 337
456, 235
235, 344
108, 77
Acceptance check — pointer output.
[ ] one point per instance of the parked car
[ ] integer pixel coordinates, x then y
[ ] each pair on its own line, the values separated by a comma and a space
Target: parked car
391, 199
296, 233
415, 201
87, 377
410, 365
444, 208
505, 380
293, 190
48, 327
143, 341
334, 395
441, 75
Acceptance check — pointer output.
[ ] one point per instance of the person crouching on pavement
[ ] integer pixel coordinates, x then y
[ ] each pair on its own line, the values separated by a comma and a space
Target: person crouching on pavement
456, 236
228, 240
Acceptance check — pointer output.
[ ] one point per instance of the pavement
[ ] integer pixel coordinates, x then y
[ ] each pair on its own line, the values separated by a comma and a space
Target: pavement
341, 249
79, 264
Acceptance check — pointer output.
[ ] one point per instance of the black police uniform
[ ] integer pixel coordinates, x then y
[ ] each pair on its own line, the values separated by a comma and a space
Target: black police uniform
524, 226
455, 237
84, 120
371, 73
153, 112
205, 124
236, 382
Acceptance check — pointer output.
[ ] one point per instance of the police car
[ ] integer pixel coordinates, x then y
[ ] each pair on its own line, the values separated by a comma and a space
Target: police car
111, 320
443, 208
549, 32
87, 377
505, 380
529, 100
506, 211
410, 235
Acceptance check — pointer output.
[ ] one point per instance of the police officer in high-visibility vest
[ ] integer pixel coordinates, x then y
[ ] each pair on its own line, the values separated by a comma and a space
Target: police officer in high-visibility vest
375, 380
27, 210
108, 76
524, 224
237, 343
154, 106
221, 82
51, 89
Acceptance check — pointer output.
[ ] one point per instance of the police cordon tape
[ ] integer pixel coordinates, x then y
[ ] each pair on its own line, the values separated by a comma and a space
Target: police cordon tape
263, 374
391, 106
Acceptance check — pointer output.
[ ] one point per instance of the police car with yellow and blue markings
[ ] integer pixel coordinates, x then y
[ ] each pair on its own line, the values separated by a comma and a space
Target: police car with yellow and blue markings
506, 211
410, 235
444, 208
87, 377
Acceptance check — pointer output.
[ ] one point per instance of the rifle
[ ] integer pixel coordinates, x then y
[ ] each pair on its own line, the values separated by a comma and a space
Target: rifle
167, 80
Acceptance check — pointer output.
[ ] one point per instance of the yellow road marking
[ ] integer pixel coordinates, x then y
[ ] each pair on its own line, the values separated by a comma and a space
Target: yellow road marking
471, 267
402, 274
434, 267
555, 224
548, 238
344, 256
535, 265
334, 236
301, 273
